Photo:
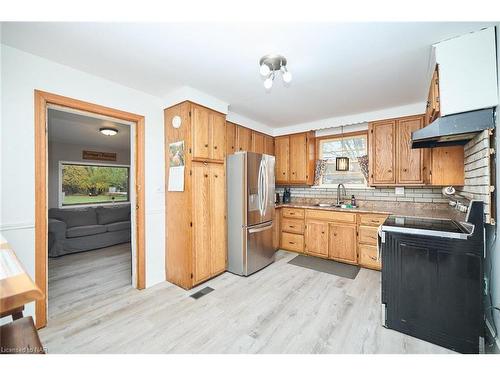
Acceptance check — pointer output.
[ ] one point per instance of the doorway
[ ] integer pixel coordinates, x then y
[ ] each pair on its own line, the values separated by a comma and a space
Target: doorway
44, 101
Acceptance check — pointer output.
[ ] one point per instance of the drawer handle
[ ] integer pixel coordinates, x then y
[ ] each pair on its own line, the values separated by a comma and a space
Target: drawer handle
292, 213
372, 258
374, 221
322, 232
292, 226
291, 243
206, 145
374, 238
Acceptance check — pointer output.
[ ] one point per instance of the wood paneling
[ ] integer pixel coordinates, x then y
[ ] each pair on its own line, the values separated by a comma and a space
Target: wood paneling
293, 242
410, 161
258, 144
293, 213
277, 229
218, 225
230, 138
298, 158
217, 136
201, 222
382, 144
316, 238
243, 139
269, 145
368, 235
292, 226
342, 239
331, 215
282, 147
201, 133
368, 257
42, 100
447, 167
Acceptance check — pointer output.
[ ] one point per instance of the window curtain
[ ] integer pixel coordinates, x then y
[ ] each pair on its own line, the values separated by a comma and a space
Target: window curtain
319, 171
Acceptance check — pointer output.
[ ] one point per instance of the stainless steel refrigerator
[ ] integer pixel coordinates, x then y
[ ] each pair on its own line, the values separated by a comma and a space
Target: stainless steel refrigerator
250, 206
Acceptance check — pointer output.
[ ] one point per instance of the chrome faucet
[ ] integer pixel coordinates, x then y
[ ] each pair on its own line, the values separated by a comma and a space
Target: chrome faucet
338, 193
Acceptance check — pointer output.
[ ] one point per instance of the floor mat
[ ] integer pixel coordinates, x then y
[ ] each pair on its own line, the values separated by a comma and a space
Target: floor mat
325, 265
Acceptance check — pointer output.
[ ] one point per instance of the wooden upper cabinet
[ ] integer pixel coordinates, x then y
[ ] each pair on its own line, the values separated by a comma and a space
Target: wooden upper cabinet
447, 166
209, 134
282, 146
243, 139
257, 142
201, 132
230, 138
269, 145
298, 158
218, 136
342, 238
217, 218
382, 145
410, 161
316, 238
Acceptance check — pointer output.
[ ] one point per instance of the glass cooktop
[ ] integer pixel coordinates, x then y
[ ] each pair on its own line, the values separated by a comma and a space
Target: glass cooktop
424, 226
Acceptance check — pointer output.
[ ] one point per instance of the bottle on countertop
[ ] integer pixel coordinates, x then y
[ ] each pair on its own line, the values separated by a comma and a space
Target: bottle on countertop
353, 201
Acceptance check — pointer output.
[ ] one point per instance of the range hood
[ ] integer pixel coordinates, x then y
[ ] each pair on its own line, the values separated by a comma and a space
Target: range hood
453, 130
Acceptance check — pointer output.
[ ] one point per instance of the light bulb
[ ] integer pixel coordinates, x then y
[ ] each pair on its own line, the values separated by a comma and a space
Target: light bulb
268, 83
287, 77
264, 70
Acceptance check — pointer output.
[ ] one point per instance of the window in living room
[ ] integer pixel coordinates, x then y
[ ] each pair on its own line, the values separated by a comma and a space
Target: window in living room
85, 184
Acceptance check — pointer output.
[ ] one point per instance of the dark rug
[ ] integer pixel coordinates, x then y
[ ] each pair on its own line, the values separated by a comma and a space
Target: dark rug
325, 265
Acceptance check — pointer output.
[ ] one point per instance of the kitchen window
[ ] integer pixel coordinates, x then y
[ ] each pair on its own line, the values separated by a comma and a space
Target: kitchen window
353, 146
82, 184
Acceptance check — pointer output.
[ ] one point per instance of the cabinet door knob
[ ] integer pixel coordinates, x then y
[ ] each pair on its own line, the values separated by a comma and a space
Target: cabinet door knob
405, 170
215, 147
206, 145
206, 175
216, 176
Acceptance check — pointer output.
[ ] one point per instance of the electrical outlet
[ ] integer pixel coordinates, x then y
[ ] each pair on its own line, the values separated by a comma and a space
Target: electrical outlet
399, 190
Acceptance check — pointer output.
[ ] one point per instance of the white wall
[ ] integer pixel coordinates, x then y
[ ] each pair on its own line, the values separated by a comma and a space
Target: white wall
21, 74
73, 152
356, 118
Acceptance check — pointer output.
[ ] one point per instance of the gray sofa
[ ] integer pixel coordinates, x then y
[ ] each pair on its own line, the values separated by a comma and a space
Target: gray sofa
72, 230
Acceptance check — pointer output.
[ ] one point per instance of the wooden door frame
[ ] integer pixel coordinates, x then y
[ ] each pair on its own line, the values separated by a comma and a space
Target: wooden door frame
42, 100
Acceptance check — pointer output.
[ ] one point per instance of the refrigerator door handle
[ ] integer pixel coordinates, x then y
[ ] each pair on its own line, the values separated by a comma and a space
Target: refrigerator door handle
260, 229
260, 188
265, 187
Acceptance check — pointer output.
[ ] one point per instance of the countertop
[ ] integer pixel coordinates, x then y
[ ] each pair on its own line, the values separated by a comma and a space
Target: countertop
424, 210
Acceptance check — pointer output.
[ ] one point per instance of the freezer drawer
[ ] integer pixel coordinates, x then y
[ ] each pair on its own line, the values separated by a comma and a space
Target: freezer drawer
260, 249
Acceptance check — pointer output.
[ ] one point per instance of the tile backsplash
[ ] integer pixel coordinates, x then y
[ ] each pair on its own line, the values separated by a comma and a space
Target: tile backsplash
411, 194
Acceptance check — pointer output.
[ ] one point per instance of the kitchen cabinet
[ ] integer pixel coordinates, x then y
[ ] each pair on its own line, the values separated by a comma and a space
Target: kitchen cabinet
209, 236
410, 162
269, 145
292, 229
277, 229
209, 134
230, 138
432, 109
282, 147
368, 256
258, 144
295, 158
382, 148
196, 247
447, 166
243, 139
390, 150
316, 238
342, 246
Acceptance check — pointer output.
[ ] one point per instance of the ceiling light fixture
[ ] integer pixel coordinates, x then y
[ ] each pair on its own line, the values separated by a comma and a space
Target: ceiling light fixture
270, 66
108, 131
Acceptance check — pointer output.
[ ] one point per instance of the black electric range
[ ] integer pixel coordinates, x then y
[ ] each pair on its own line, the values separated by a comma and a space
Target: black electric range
432, 272
428, 227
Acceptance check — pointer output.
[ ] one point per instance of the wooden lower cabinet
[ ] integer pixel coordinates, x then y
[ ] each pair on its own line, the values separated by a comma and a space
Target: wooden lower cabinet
343, 243
369, 257
316, 238
277, 229
292, 241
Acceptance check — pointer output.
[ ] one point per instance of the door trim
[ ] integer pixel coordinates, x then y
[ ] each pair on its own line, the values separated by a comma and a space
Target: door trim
42, 100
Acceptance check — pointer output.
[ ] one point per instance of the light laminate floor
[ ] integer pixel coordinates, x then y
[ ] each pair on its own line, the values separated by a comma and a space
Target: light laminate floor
281, 309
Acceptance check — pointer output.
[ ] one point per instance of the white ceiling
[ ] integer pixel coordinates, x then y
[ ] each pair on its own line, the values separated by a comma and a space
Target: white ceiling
338, 68
78, 129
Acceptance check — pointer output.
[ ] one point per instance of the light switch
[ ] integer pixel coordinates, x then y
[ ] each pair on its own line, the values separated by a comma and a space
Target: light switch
400, 190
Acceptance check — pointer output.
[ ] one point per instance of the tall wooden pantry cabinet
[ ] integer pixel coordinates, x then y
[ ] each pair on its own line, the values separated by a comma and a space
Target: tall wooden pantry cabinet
196, 217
